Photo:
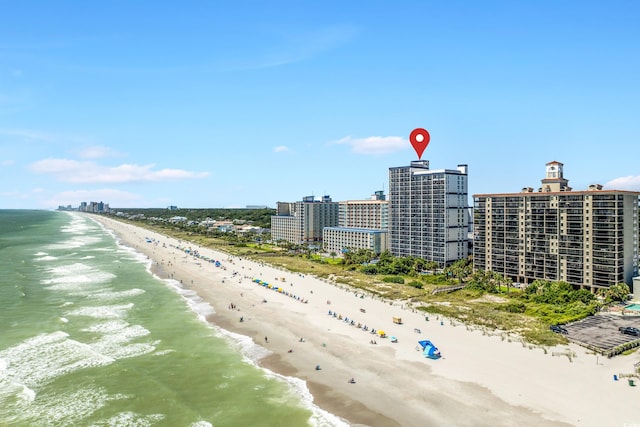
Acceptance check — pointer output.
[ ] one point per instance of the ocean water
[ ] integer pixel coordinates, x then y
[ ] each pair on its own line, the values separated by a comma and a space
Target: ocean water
89, 337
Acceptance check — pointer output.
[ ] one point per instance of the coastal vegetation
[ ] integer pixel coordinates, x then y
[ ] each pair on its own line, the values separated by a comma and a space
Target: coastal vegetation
258, 217
484, 299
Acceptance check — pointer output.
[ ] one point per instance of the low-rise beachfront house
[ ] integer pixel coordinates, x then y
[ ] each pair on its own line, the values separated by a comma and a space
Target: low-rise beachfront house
225, 228
362, 224
244, 229
207, 223
175, 219
586, 238
302, 222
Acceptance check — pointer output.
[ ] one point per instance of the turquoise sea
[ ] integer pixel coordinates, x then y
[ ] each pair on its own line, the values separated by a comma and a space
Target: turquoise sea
89, 337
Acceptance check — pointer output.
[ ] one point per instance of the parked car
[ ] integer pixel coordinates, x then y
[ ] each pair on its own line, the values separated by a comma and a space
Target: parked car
629, 330
558, 329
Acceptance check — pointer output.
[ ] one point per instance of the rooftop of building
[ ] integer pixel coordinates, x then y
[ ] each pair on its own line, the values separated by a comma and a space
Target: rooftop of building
357, 229
561, 188
369, 201
422, 167
546, 193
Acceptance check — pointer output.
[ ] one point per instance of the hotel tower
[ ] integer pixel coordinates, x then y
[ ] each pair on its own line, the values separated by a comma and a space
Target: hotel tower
428, 212
586, 238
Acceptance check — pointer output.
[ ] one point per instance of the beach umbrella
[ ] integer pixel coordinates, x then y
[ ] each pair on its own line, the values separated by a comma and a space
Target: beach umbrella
381, 333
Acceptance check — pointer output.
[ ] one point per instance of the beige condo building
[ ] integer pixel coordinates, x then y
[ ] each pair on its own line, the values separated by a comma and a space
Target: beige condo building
362, 224
302, 222
586, 238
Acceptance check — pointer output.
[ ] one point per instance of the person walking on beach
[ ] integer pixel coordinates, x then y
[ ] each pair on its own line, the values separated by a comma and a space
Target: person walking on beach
266, 339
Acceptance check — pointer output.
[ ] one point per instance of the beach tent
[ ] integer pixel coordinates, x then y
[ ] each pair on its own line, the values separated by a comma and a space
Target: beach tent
429, 349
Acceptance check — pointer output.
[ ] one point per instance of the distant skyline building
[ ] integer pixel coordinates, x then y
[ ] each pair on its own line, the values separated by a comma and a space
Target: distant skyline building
362, 224
586, 238
302, 222
428, 212
93, 207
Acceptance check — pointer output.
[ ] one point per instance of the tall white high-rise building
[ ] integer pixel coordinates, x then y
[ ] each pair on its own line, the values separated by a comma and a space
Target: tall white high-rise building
428, 212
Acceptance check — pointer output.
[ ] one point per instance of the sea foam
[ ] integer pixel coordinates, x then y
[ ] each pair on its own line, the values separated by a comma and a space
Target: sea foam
38, 360
61, 408
130, 419
110, 296
76, 276
46, 258
103, 312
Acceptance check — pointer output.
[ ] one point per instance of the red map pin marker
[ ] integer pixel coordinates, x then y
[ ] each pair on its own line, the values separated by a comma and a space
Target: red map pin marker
419, 139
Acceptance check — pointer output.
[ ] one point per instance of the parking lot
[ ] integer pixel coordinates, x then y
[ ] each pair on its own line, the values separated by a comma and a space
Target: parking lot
600, 332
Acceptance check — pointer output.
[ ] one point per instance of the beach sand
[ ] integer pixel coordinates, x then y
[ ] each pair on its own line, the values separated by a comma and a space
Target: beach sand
482, 379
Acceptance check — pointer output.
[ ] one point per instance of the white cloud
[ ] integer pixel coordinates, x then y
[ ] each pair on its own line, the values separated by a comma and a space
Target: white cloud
85, 172
96, 152
280, 148
629, 183
290, 46
27, 135
7, 163
374, 144
13, 194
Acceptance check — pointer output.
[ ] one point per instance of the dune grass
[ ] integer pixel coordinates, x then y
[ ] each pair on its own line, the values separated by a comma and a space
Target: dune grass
469, 306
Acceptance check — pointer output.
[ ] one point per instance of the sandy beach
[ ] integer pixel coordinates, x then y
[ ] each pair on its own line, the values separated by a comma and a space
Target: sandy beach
482, 379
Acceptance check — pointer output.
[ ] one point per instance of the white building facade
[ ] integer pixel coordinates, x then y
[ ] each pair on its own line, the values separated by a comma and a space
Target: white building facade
362, 224
428, 212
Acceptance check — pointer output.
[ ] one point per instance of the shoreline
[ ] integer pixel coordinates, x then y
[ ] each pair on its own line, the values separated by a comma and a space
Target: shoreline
480, 380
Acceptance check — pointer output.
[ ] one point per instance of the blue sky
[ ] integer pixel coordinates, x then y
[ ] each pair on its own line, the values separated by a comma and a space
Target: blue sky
227, 104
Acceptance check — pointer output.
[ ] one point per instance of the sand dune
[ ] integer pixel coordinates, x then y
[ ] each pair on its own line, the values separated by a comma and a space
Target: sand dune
482, 379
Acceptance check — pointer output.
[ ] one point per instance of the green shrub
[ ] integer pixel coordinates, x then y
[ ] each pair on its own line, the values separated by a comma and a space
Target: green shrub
514, 307
369, 269
393, 279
